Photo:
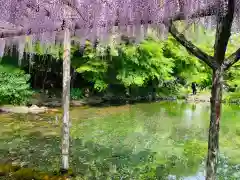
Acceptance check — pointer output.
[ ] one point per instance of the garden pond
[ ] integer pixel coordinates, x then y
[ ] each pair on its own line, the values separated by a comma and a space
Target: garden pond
148, 141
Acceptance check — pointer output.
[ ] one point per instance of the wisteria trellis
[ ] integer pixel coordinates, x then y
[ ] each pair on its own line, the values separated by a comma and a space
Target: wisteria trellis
88, 19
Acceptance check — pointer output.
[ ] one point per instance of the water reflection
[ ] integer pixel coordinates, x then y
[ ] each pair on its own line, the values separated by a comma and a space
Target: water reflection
144, 141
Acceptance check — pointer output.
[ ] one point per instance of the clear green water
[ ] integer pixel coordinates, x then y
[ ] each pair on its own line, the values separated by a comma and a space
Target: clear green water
145, 141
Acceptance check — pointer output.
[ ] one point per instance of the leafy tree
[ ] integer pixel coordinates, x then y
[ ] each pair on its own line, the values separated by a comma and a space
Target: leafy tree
144, 63
91, 65
127, 65
187, 67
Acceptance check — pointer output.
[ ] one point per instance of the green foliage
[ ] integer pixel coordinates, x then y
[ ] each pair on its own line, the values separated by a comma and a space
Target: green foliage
14, 87
205, 42
187, 67
166, 63
92, 66
129, 65
100, 85
76, 94
232, 78
165, 66
144, 63
55, 51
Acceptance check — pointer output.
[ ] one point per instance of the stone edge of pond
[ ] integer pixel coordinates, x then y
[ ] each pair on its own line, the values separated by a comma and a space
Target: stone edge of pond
34, 109
236, 101
51, 106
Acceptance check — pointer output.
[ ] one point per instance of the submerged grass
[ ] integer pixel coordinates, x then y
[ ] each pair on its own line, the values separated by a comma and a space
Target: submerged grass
145, 141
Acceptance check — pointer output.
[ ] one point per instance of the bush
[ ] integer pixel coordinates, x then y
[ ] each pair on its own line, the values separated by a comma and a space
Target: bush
76, 94
14, 87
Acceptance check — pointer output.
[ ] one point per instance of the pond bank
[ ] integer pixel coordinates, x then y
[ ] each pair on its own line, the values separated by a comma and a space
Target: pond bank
34, 109
205, 97
53, 104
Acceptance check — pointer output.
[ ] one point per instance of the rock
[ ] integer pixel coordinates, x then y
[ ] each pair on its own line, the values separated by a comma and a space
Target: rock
14, 109
52, 110
94, 100
23, 109
53, 104
35, 109
77, 103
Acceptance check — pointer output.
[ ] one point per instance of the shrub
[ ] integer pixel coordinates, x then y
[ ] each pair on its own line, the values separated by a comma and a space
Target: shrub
14, 86
76, 94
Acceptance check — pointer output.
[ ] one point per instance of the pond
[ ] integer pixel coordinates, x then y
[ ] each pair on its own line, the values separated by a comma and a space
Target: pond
163, 140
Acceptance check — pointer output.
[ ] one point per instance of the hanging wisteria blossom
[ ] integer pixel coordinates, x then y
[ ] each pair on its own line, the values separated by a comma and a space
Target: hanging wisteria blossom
97, 18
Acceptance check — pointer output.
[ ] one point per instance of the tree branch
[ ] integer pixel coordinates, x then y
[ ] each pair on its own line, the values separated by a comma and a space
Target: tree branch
191, 47
223, 31
231, 60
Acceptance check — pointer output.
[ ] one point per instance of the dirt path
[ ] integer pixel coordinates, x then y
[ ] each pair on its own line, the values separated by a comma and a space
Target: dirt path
199, 97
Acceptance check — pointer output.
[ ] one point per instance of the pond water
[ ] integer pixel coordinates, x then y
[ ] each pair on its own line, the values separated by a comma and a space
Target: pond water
164, 140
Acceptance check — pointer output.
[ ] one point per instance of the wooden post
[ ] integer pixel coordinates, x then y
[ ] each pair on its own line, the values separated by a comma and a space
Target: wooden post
66, 100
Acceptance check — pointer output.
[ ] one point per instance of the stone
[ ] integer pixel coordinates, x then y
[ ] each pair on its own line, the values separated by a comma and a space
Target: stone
23, 109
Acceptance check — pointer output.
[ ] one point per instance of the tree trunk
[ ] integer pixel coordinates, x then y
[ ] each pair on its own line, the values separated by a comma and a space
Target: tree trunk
65, 100
213, 138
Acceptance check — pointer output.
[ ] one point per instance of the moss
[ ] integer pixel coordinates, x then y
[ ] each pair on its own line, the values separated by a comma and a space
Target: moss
6, 169
69, 173
18, 173
26, 174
